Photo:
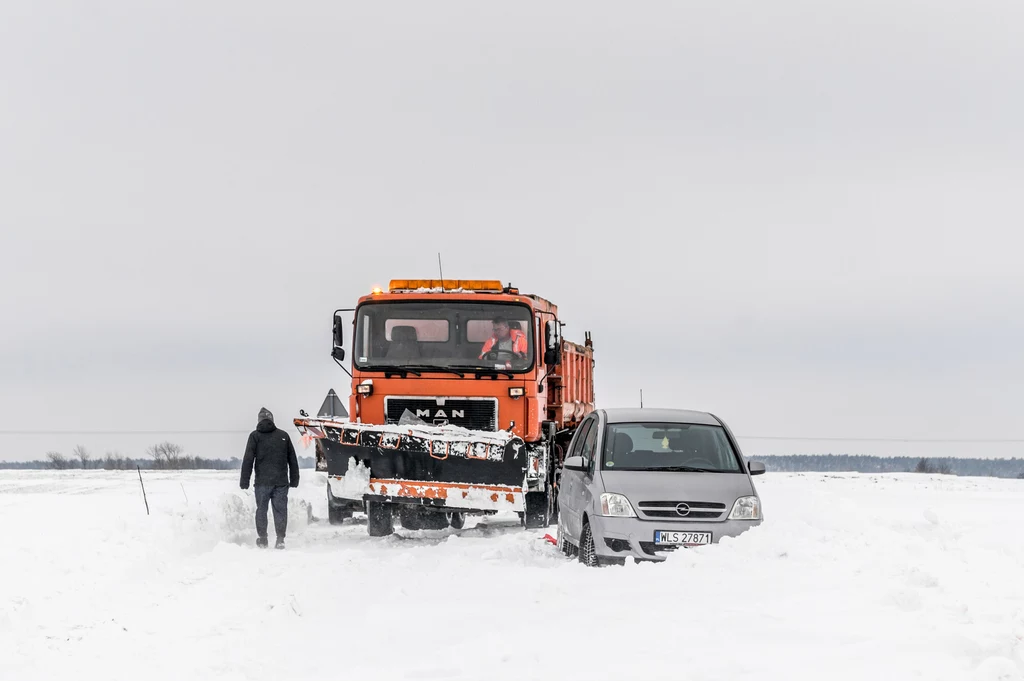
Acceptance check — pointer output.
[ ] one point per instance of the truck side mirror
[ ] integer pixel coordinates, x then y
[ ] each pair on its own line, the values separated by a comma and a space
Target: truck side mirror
339, 333
552, 343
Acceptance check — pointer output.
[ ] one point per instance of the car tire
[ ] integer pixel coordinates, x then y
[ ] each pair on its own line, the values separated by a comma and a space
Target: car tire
588, 551
567, 549
379, 520
456, 519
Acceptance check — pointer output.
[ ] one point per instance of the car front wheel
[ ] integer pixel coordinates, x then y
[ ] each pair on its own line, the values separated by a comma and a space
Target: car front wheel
588, 552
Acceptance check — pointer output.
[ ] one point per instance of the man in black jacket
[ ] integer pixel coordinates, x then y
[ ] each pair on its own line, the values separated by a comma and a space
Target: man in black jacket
277, 468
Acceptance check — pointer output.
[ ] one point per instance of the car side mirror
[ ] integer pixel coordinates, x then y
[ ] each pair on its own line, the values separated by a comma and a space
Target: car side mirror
576, 463
552, 343
755, 467
339, 334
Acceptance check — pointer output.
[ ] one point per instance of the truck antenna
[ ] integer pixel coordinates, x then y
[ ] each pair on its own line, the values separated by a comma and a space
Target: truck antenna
641, 398
440, 270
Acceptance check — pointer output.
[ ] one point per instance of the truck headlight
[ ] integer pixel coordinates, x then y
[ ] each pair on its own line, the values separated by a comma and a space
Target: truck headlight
616, 505
746, 508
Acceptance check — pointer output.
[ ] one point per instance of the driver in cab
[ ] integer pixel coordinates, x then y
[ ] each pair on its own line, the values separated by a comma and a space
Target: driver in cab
505, 343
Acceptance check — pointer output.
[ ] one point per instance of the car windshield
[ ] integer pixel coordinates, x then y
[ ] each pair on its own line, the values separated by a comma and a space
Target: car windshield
451, 336
669, 447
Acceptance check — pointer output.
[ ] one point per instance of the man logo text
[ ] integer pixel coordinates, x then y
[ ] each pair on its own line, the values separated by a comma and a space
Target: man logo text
441, 414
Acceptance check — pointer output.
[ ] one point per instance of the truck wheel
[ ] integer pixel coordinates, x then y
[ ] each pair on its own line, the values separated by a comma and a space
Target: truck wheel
433, 520
419, 518
456, 519
336, 511
537, 510
337, 515
379, 522
410, 517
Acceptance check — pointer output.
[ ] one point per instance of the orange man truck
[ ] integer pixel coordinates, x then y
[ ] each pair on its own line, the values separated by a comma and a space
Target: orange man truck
464, 397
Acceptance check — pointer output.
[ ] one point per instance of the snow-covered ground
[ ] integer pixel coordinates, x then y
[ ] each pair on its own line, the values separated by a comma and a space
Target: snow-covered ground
850, 577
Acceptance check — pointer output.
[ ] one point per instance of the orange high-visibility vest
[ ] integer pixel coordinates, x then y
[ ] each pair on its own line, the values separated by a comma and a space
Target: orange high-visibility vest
518, 343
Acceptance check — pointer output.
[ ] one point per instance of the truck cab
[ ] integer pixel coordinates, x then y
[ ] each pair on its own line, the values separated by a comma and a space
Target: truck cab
464, 395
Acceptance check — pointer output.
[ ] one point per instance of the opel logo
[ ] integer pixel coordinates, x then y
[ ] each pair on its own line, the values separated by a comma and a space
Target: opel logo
683, 509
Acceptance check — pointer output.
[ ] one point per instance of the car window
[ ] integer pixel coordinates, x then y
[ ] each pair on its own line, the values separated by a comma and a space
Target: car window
581, 435
588, 447
659, 446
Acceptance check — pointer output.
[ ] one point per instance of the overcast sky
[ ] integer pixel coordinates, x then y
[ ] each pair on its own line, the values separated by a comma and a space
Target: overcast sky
804, 216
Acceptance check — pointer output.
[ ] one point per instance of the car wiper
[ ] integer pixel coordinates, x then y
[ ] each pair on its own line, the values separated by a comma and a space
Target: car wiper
682, 469
444, 369
482, 371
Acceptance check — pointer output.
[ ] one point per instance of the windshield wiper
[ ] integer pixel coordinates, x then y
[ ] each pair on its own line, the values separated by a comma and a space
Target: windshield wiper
682, 469
444, 369
389, 371
482, 371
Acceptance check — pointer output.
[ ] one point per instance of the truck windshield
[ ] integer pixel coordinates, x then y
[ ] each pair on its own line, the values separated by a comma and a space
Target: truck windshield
460, 335
669, 447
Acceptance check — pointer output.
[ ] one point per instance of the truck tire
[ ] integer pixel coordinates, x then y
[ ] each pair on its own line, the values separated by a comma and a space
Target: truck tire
379, 521
336, 515
433, 520
419, 518
409, 517
456, 519
537, 513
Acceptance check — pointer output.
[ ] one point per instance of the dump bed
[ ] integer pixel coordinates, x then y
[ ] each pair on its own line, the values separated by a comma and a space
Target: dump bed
571, 385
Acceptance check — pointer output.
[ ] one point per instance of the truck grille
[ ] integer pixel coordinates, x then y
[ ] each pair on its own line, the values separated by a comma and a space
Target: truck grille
694, 510
475, 414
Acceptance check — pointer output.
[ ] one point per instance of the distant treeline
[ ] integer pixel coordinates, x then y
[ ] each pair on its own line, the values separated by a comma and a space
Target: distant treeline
164, 456
838, 463
169, 456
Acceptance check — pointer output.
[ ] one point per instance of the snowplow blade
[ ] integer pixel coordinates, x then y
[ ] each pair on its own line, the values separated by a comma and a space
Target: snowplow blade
434, 465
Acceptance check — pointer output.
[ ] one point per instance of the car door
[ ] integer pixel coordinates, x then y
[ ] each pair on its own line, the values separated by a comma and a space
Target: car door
588, 489
570, 485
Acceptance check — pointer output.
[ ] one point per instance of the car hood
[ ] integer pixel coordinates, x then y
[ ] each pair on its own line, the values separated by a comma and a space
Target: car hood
640, 486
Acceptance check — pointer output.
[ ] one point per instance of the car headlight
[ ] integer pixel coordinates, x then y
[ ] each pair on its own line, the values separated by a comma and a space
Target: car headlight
616, 505
746, 508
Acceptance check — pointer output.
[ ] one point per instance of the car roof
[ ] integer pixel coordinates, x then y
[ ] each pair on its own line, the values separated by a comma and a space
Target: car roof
626, 415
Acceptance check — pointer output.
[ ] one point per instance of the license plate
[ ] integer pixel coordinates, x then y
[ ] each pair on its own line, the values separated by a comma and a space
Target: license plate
678, 538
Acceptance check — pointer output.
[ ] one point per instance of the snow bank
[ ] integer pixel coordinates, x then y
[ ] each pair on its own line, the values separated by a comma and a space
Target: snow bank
354, 484
850, 577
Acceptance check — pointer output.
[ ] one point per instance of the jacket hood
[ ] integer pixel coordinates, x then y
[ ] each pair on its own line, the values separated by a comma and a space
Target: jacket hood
266, 426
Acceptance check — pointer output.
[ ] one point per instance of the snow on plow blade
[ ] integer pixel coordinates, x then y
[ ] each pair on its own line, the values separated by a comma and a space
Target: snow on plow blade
436, 465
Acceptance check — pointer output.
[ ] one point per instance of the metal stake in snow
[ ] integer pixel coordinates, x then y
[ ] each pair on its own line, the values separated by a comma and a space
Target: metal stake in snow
143, 489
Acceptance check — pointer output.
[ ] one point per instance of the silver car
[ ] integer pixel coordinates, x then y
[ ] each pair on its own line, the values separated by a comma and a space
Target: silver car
637, 483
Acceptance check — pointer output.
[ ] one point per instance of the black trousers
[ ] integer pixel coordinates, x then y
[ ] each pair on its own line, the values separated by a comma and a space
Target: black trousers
277, 495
